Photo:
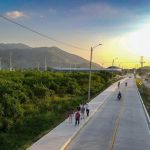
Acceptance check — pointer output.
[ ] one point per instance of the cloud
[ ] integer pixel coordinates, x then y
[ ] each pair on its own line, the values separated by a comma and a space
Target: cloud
103, 13
15, 14
98, 10
52, 11
95, 11
41, 16
104, 17
43, 13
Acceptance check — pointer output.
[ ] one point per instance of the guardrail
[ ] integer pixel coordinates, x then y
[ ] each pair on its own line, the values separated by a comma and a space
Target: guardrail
145, 110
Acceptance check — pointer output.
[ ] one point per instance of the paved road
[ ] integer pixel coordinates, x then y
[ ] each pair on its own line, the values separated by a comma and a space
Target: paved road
118, 125
60, 136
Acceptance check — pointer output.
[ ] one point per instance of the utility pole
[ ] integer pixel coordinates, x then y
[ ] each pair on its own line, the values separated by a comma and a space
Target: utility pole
114, 61
70, 68
10, 61
38, 66
102, 65
45, 64
89, 90
119, 65
142, 61
0, 63
75, 66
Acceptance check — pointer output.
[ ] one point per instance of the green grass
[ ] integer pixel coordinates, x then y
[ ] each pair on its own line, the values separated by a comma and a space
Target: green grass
145, 93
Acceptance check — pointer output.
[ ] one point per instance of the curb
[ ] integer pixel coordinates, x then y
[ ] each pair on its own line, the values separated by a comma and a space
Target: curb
145, 110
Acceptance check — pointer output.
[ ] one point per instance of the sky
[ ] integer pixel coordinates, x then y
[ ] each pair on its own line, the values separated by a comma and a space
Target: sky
121, 26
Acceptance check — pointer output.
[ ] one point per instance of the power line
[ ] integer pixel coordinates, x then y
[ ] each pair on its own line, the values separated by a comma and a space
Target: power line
120, 62
41, 34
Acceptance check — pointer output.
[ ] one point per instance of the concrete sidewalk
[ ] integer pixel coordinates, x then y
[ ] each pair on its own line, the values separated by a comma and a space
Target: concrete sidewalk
60, 137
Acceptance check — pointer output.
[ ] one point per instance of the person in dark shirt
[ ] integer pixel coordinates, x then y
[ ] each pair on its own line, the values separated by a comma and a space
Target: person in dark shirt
77, 118
119, 95
118, 84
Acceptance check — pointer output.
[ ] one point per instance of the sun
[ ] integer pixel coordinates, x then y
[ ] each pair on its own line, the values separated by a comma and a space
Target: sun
139, 41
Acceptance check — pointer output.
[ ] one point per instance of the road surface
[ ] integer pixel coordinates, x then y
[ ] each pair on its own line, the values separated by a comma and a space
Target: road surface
118, 125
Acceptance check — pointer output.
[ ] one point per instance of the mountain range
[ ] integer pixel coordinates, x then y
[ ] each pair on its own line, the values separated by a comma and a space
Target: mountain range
24, 56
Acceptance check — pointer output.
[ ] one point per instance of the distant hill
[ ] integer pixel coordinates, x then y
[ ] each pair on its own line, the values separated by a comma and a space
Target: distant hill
13, 46
24, 56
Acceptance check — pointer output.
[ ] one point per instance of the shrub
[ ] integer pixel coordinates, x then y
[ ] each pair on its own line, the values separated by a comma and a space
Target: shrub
40, 91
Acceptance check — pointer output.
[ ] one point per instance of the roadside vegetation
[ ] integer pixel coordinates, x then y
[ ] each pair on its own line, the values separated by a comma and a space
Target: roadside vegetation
32, 102
145, 93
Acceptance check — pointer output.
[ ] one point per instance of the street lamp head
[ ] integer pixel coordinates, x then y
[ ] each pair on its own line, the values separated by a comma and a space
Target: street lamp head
96, 45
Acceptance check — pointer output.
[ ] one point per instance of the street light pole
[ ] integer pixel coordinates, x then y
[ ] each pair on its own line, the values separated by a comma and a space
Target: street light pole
90, 67
10, 61
0, 63
89, 91
114, 61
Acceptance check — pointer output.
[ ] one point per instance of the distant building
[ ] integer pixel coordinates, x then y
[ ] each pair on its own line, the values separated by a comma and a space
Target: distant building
114, 68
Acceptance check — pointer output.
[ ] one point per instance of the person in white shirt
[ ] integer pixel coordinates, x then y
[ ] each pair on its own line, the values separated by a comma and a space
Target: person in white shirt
82, 111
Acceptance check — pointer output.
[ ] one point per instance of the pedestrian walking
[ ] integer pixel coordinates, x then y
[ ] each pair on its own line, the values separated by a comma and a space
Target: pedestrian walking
126, 84
70, 116
87, 109
82, 111
77, 118
118, 84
